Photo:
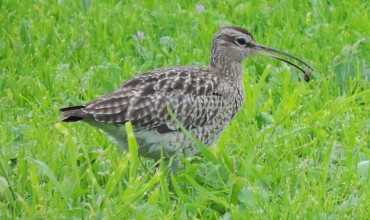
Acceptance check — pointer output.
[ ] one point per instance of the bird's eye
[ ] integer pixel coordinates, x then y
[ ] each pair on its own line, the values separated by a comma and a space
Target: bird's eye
241, 41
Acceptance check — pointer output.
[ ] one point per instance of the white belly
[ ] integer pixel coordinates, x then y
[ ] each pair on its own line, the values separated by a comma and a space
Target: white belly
151, 143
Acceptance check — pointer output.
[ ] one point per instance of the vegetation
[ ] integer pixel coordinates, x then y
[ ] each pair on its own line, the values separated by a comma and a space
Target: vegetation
297, 149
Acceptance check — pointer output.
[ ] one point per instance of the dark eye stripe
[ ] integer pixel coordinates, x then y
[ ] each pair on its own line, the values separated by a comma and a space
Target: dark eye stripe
238, 41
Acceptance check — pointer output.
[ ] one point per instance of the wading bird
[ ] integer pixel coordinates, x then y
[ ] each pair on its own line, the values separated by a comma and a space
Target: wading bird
202, 100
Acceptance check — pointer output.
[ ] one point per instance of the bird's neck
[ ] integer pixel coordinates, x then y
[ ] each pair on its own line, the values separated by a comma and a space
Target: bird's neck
227, 68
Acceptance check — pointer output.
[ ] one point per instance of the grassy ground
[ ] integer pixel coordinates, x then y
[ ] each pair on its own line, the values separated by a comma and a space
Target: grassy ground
297, 150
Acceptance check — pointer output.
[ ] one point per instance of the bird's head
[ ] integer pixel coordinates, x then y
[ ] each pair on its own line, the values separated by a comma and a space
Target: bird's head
234, 44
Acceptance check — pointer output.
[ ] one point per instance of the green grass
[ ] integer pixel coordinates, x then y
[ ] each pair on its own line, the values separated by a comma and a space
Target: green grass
296, 151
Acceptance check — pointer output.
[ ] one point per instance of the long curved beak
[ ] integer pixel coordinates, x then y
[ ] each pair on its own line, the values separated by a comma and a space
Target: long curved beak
287, 58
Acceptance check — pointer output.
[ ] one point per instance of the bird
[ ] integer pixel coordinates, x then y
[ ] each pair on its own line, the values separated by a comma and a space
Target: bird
165, 105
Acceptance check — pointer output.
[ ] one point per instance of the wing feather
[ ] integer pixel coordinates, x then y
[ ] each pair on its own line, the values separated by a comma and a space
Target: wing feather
191, 94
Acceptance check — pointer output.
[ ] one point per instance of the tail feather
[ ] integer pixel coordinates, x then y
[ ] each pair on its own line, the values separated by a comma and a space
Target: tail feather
73, 113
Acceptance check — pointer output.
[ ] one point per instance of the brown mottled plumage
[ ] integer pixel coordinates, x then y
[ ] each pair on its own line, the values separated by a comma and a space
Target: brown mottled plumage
204, 100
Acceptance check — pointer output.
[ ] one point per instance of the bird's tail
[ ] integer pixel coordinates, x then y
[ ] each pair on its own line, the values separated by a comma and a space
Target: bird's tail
73, 113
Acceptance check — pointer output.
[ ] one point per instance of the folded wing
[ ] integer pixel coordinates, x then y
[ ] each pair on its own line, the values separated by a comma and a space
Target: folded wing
191, 94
